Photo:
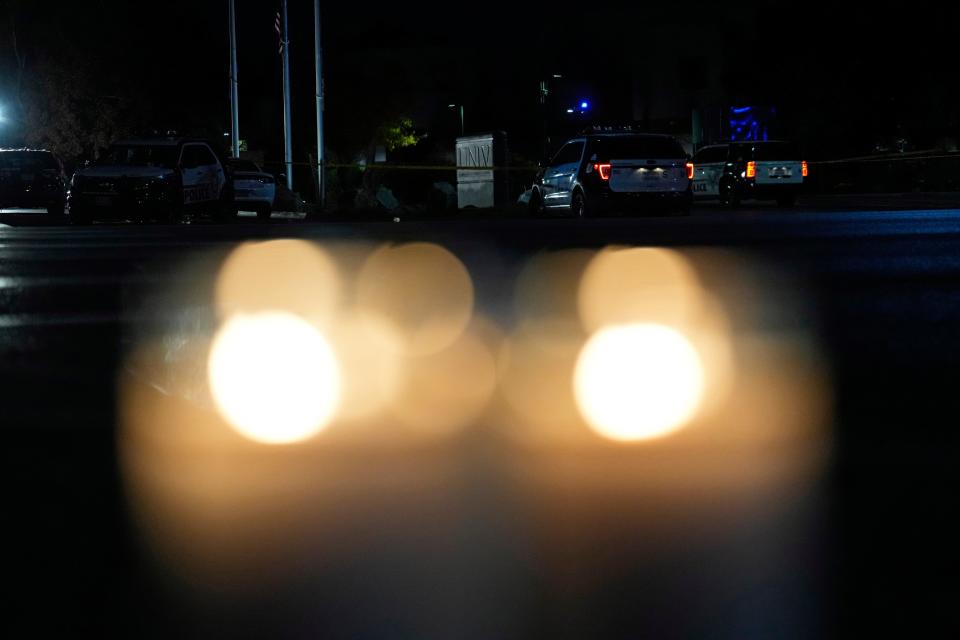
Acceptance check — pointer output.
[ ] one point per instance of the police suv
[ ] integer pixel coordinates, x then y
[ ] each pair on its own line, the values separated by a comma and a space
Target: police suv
151, 179
614, 170
736, 171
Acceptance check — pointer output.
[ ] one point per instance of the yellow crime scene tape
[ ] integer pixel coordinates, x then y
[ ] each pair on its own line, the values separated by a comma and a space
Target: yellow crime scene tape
909, 156
411, 167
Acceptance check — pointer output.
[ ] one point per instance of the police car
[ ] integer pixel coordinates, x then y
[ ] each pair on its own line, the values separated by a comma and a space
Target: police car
253, 189
31, 178
151, 179
607, 170
736, 171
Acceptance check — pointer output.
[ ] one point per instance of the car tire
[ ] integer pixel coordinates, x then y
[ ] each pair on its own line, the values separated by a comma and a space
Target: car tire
173, 215
56, 210
728, 194
535, 206
579, 205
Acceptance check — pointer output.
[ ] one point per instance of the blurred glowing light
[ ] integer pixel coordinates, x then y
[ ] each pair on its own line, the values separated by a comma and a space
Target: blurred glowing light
280, 275
448, 390
638, 382
274, 377
366, 348
626, 286
423, 289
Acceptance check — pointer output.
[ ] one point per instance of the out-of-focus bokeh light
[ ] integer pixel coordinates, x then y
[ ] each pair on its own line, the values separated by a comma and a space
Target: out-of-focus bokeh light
444, 392
273, 377
279, 275
638, 382
623, 286
423, 289
545, 296
535, 367
367, 348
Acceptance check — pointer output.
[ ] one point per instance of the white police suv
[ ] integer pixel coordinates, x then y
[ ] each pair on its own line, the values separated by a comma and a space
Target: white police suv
151, 179
736, 171
614, 171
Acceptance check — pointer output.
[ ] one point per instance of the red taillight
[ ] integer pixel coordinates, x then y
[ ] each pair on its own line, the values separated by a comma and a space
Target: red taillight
603, 169
689, 171
751, 169
803, 168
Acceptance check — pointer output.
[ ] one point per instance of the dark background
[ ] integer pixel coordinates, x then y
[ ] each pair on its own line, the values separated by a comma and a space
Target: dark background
843, 75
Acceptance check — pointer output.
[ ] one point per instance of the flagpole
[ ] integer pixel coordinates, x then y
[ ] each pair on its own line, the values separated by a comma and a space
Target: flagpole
287, 123
234, 83
321, 173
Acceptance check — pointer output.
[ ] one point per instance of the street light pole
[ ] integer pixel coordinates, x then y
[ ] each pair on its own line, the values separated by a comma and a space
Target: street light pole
321, 171
287, 121
460, 106
234, 83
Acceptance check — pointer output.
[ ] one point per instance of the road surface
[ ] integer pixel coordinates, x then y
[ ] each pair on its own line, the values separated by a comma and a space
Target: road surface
883, 278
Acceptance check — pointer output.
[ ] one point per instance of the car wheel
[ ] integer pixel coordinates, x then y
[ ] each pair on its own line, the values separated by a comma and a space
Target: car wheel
264, 212
56, 209
579, 206
728, 194
535, 205
172, 215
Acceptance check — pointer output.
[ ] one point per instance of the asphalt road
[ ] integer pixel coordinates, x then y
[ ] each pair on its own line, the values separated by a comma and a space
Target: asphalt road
882, 275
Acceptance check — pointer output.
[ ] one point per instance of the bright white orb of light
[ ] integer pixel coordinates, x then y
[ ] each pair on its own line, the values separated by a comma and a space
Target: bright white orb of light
638, 381
273, 377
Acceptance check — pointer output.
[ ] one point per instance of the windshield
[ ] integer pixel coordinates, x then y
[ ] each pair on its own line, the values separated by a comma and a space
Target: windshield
777, 151
244, 166
140, 156
28, 161
634, 147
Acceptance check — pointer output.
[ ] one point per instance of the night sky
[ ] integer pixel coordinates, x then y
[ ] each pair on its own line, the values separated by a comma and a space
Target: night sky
843, 75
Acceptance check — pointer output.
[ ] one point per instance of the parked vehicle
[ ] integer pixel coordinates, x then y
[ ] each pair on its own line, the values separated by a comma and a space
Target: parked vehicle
152, 179
32, 179
615, 171
737, 171
253, 188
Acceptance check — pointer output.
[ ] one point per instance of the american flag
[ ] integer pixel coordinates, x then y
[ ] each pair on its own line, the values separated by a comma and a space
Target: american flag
278, 26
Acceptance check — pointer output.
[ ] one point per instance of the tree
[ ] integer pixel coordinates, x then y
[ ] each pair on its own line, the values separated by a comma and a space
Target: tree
63, 112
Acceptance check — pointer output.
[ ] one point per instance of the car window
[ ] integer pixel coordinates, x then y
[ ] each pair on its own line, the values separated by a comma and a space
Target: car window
711, 155
29, 161
205, 156
635, 147
245, 165
140, 155
197, 155
777, 151
569, 154
741, 153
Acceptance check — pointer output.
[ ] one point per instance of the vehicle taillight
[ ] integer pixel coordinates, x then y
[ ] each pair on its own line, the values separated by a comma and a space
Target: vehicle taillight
751, 169
603, 169
689, 171
803, 168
